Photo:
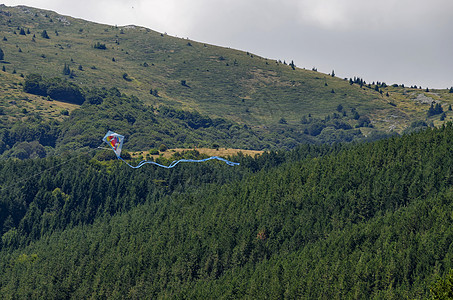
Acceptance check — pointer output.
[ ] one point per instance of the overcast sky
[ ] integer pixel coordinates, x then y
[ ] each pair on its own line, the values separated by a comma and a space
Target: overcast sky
392, 41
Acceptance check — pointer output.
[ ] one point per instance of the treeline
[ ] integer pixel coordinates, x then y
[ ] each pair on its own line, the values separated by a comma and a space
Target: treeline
147, 127
367, 221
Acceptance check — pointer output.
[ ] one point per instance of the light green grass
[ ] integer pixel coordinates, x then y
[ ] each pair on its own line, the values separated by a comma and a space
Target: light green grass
222, 82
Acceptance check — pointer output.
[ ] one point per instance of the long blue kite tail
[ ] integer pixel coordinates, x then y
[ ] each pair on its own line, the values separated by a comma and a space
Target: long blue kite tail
174, 163
115, 141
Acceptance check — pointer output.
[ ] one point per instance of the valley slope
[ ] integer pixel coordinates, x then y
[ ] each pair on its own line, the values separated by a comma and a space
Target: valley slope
189, 75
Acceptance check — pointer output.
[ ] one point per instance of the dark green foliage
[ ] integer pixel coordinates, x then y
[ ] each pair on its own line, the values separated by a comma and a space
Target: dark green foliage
368, 221
282, 121
163, 148
315, 129
100, 46
153, 152
364, 121
435, 109
44, 34
126, 77
154, 92
34, 85
56, 88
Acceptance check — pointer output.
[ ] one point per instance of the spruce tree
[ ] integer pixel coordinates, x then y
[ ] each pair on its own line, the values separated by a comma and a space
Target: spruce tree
45, 35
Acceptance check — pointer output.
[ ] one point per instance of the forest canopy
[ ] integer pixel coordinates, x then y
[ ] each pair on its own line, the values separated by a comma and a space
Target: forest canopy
367, 221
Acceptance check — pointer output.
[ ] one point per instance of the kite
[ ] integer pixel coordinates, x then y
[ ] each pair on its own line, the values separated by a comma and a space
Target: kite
115, 141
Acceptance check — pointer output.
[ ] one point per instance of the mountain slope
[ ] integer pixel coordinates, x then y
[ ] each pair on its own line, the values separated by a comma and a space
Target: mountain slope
216, 81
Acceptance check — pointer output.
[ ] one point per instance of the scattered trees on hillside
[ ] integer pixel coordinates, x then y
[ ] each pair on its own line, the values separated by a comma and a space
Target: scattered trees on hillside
435, 109
99, 46
154, 92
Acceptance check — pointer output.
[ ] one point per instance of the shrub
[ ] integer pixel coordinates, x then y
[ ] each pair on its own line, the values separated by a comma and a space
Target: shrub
126, 77
154, 152
163, 148
99, 46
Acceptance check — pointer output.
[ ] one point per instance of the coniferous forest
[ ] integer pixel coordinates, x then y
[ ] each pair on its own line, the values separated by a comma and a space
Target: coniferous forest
365, 221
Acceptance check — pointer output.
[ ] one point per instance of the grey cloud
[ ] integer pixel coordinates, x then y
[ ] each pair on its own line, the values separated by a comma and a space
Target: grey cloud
396, 41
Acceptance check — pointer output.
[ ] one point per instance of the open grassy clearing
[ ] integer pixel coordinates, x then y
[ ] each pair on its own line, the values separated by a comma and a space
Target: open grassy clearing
222, 152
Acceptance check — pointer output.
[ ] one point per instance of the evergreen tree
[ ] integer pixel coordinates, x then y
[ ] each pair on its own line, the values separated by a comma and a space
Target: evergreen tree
438, 109
66, 70
45, 35
435, 109
2, 54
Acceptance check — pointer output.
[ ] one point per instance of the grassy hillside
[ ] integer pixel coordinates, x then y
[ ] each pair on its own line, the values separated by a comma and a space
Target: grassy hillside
189, 75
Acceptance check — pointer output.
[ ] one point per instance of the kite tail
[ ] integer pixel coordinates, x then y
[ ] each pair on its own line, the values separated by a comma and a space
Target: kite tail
174, 163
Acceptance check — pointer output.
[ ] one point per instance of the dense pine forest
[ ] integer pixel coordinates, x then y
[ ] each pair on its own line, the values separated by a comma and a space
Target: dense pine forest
365, 221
